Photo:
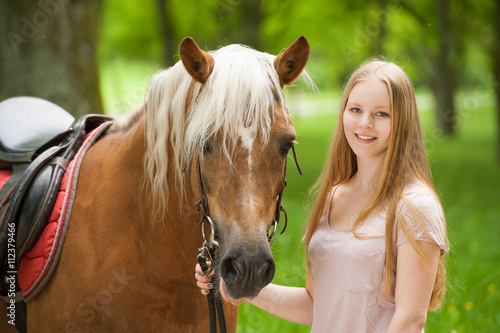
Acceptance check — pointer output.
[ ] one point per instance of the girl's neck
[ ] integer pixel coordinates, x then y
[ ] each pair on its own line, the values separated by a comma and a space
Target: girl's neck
367, 176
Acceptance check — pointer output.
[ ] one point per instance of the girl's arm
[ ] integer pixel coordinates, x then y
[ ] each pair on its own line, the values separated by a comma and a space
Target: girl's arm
289, 303
414, 284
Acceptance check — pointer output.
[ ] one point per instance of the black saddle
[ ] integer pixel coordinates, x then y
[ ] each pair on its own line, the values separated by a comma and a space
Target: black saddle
37, 141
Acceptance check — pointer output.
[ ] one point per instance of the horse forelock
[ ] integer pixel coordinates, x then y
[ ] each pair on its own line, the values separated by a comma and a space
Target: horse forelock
237, 103
240, 97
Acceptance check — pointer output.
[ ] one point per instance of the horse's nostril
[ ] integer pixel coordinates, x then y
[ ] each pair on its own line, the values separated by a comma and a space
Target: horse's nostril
236, 270
265, 273
230, 269
246, 276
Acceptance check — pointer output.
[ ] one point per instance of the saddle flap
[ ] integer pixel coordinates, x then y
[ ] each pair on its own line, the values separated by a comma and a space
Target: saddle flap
36, 206
26, 123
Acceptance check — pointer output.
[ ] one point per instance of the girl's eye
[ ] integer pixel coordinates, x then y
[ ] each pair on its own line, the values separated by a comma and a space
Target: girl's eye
356, 110
382, 114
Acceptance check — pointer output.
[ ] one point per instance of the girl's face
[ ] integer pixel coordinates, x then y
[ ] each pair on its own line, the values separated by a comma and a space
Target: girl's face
367, 119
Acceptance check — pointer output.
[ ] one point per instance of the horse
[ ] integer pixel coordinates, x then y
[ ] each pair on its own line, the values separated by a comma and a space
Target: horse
215, 120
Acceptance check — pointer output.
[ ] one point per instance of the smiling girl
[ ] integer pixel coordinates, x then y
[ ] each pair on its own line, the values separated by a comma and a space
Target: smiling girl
376, 239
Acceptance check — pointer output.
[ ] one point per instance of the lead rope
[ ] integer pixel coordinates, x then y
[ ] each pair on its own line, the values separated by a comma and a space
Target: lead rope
215, 308
207, 252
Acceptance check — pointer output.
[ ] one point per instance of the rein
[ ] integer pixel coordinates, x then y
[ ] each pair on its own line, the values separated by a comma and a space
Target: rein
210, 245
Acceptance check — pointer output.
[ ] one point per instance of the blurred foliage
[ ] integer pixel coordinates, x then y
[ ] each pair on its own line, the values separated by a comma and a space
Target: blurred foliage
342, 34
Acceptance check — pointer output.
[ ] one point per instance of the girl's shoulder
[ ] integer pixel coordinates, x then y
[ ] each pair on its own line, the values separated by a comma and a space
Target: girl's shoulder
421, 196
422, 215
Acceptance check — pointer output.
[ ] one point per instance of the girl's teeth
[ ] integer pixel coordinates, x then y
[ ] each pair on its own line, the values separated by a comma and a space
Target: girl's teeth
365, 137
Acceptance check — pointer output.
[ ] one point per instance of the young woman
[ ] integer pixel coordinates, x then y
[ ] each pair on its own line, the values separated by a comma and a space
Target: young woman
376, 238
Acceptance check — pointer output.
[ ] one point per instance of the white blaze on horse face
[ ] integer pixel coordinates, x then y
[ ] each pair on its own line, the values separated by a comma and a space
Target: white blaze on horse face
247, 136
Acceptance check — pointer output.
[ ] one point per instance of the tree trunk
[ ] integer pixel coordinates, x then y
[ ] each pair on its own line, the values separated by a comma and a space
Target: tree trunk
239, 21
382, 25
167, 32
252, 17
49, 50
441, 77
444, 87
443, 90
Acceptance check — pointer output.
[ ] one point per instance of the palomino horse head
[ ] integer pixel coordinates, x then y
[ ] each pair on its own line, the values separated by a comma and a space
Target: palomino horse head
223, 122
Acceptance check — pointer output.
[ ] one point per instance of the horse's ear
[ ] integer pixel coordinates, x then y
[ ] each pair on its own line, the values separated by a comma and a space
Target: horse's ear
198, 63
290, 63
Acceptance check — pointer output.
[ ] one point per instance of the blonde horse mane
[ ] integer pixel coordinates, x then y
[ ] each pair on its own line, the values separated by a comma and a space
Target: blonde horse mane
240, 96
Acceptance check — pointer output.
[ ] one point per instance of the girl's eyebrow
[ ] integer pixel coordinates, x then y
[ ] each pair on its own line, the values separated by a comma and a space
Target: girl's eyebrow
376, 107
353, 104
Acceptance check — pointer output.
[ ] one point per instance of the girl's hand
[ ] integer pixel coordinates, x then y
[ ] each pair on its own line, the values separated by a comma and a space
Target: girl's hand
203, 282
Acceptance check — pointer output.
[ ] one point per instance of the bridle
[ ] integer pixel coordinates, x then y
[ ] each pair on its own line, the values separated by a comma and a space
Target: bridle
202, 206
207, 251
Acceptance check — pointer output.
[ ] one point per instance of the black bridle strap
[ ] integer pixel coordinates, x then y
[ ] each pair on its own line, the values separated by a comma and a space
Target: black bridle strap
296, 160
215, 308
202, 204
279, 206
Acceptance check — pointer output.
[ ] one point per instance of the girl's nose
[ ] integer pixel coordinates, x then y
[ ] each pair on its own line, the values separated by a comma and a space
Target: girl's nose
366, 121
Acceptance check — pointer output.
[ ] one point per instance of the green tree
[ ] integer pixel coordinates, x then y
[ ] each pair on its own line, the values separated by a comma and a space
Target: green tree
165, 15
437, 51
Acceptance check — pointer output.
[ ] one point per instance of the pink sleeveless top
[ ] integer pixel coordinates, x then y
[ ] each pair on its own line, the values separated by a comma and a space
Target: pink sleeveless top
348, 271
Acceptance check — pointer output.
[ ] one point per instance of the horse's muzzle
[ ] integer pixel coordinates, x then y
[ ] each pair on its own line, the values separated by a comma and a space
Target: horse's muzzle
245, 276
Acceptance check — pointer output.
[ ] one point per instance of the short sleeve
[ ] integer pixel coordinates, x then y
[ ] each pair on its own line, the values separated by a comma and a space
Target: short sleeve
423, 217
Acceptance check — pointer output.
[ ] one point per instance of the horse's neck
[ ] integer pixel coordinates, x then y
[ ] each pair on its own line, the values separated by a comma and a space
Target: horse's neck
172, 240
180, 218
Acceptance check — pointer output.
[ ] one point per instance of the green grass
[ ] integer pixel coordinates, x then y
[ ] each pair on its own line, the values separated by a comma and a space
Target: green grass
466, 176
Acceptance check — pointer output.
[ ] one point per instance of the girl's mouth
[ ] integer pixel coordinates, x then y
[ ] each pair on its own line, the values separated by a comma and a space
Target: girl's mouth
365, 137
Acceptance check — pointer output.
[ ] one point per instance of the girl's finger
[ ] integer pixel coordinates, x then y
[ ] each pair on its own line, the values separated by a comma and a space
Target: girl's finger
204, 285
200, 271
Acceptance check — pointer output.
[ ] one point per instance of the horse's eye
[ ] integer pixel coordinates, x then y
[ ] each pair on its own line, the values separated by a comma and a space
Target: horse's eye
207, 148
286, 148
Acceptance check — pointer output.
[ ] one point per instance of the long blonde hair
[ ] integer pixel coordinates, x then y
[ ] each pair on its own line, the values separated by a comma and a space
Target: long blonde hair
405, 163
